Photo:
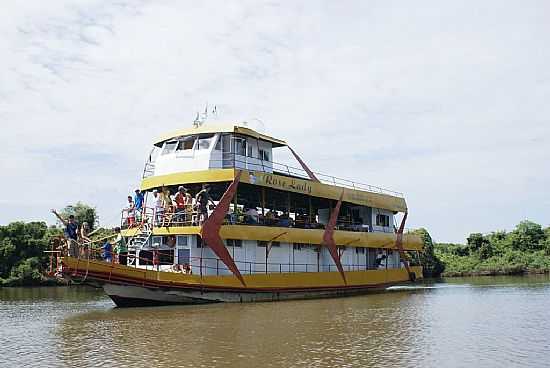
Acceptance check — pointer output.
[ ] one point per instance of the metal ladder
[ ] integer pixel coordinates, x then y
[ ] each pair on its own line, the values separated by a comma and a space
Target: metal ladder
139, 240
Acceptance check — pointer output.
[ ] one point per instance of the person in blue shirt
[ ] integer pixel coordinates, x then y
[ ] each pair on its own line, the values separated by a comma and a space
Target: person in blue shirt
107, 252
71, 232
138, 203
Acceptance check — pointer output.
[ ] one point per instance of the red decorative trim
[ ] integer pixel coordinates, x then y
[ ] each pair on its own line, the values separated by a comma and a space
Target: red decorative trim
304, 166
399, 243
328, 238
210, 231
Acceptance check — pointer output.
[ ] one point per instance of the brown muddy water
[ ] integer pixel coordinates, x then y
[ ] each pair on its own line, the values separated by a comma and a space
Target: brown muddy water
462, 322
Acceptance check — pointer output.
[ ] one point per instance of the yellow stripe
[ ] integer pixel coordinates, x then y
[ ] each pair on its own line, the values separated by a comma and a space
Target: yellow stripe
182, 178
292, 235
302, 186
256, 281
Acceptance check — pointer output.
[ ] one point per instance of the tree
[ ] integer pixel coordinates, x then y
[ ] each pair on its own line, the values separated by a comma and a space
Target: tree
480, 245
22, 246
528, 236
82, 213
432, 266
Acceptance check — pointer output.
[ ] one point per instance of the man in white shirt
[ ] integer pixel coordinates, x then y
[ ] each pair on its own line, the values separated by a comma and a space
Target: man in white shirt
158, 206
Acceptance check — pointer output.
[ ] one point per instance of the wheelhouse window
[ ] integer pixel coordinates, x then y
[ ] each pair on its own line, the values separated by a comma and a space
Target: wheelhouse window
382, 220
205, 141
264, 155
239, 146
186, 143
169, 147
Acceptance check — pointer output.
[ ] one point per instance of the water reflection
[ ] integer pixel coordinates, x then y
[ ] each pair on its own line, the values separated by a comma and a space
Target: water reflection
483, 322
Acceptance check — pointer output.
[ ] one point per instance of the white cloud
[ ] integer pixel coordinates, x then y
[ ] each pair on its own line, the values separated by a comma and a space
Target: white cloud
445, 102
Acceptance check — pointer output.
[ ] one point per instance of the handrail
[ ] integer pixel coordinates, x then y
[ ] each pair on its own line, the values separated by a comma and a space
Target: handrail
285, 169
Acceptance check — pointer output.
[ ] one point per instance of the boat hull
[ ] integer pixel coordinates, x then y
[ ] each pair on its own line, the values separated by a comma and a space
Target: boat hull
131, 287
126, 296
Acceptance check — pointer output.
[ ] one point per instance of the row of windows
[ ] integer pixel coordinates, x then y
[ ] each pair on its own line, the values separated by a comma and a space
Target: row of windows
227, 143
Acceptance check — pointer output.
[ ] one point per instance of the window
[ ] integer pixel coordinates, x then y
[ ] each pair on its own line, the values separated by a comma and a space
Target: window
382, 220
182, 241
169, 147
299, 246
237, 243
360, 250
239, 146
264, 155
186, 143
263, 244
218, 144
200, 243
204, 141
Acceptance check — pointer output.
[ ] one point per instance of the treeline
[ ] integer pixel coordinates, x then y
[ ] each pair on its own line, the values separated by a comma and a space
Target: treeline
23, 260
526, 249
22, 252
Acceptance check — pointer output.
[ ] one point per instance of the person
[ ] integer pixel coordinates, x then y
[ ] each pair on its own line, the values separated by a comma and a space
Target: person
183, 202
84, 239
285, 220
158, 206
107, 252
138, 202
131, 212
270, 218
202, 200
251, 216
121, 248
168, 206
71, 233
379, 261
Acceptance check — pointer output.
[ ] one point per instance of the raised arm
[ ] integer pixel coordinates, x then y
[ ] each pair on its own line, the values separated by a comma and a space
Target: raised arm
59, 217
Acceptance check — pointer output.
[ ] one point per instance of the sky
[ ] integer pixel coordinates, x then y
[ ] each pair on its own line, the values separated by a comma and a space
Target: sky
447, 102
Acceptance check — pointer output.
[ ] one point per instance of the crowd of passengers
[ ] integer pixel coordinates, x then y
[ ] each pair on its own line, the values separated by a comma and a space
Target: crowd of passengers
183, 208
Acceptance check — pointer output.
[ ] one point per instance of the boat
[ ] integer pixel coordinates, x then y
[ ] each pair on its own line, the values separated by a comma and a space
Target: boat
272, 232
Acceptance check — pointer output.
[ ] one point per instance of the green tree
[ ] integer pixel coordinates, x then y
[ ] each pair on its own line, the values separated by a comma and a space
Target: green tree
528, 236
22, 246
82, 213
480, 245
432, 266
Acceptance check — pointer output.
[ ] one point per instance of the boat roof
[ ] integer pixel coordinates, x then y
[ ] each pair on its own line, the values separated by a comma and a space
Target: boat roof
226, 128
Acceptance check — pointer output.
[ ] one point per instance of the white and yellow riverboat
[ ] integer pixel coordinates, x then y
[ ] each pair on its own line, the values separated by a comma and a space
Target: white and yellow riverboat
275, 232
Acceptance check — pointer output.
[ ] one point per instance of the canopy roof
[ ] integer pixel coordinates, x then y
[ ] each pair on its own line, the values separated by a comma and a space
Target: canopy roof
228, 128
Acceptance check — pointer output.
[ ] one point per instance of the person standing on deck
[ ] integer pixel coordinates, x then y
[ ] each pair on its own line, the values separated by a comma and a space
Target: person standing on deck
138, 203
71, 233
158, 206
121, 249
202, 200
183, 201
131, 212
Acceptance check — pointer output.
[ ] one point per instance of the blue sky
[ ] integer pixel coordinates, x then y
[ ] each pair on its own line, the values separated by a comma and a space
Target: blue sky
444, 101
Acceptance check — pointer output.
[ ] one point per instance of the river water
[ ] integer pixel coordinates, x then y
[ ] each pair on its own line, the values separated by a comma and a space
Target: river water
468, 322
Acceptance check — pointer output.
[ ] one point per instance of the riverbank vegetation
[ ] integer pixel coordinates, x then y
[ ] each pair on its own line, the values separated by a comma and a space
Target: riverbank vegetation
23, 246
526, 249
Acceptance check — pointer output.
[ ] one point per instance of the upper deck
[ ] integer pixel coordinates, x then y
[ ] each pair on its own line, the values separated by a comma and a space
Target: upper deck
218, 153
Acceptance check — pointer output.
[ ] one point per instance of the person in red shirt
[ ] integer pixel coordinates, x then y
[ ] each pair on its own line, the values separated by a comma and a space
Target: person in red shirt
184, 201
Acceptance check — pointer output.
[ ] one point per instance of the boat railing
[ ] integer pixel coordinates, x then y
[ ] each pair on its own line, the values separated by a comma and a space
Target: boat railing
231, 160
152, 218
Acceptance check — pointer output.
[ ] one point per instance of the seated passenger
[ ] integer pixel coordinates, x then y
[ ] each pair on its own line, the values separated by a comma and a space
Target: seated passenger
285, 220
251, 216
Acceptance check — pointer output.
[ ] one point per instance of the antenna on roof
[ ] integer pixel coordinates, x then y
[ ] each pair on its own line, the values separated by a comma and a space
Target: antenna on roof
197, 122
